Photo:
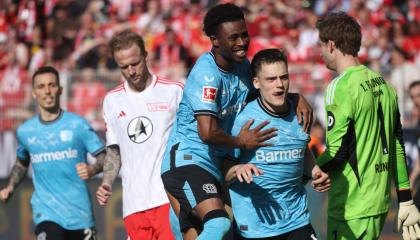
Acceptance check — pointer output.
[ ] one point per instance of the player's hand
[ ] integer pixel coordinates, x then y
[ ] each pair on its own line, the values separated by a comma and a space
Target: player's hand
103, 193
244, 172
320, 180
84, 171
303, 108
6, 193
408, 217
252, 138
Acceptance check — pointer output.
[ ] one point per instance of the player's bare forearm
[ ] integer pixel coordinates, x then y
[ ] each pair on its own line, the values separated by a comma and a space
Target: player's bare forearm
303, 109
18, 173
112, 164
99, 165
309, 162
211, 133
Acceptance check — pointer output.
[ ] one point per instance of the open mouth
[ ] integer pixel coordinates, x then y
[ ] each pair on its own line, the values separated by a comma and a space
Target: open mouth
279, 94
240, 53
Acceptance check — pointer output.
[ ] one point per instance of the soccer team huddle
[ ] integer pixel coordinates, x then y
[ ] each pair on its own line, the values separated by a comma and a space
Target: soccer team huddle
226, 155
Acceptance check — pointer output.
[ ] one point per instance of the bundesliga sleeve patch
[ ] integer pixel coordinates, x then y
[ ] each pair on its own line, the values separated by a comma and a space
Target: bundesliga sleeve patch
209, 94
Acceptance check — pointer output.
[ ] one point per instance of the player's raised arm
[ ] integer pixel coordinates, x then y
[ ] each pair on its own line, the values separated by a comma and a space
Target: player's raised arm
18, 173
210, 132
112, 167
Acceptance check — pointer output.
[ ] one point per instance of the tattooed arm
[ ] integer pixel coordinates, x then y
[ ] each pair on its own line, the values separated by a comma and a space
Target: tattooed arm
112, 167
18, 173
86, 171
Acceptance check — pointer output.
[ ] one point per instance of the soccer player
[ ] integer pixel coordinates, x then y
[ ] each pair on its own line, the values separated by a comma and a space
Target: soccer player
364, 140
55, 141
273, 204
139, 114
215, 91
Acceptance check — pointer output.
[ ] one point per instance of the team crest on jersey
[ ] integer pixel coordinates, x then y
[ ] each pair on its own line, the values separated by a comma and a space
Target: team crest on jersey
331, 120
66, 135
209, 94
140, 129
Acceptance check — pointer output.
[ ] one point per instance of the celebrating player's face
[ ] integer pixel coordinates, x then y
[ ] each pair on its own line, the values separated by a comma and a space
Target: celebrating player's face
232, 40
46, 91
132, 63
273, 82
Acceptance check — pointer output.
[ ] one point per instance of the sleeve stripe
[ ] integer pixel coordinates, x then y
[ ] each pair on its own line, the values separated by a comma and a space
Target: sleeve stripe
205, 112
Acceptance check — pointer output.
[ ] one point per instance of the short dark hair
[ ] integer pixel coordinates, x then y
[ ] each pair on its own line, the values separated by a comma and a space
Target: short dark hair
46, 69
267, 56
125, 40
219, 14
343, 30
414, 84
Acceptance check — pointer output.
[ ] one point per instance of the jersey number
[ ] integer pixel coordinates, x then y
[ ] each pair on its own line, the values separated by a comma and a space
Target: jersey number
382, 129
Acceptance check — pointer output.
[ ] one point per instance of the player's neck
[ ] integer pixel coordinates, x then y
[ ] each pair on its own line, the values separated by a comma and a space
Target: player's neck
345, 62
142, 85
48, 115
222, 62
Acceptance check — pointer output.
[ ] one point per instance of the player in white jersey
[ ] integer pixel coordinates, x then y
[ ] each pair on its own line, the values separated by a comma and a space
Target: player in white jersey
139, 114
56, 142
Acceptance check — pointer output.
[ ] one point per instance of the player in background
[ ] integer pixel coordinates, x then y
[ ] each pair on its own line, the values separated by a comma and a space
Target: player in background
138, 114
364, 141
215, 91
56, 142
269, 199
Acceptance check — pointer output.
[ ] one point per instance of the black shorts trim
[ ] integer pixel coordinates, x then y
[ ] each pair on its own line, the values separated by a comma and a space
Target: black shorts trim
52, 230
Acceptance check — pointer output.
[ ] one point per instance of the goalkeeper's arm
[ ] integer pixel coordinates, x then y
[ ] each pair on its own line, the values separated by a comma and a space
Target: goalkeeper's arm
408, 216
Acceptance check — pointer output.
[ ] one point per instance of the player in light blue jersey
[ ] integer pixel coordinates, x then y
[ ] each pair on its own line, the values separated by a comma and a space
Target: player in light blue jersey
215, 91
56, 143
273, 204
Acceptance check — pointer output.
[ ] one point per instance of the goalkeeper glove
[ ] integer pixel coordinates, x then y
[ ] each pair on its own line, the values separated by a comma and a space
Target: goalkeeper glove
408, 217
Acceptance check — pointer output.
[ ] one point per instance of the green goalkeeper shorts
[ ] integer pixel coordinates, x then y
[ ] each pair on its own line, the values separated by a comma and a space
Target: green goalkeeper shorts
368, 228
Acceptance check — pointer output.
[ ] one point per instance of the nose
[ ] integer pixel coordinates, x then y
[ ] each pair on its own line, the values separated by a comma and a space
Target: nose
280, 83
131, 71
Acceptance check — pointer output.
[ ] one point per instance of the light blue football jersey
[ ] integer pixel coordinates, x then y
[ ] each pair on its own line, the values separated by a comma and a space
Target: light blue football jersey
54, 148
275, 202
212, 91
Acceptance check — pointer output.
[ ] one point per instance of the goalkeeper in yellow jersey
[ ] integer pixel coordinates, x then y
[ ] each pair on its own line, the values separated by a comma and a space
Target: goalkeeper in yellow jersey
365, 148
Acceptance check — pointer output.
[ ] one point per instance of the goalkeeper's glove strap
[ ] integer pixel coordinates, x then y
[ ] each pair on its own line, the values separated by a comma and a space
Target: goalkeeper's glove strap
404, 195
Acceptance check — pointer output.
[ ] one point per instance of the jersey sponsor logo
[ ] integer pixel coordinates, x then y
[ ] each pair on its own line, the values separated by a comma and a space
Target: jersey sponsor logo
140, 129
68, 154
331, 120
158, 107
209, 188
208, 79
209, 94
66, 135
279, 155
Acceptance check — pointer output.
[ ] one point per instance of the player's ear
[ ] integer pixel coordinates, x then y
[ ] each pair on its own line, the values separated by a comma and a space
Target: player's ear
331, 46
256, 82
214, 41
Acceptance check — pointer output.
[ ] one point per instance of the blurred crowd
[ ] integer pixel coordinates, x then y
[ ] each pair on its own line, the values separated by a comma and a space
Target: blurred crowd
72, 36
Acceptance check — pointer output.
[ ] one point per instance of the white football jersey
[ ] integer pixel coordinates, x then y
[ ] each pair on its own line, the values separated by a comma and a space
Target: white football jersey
139, 123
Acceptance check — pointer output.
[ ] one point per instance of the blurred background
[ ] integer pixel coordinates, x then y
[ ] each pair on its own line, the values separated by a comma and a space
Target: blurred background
72, 35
